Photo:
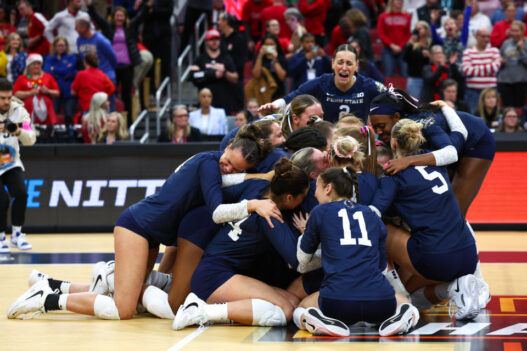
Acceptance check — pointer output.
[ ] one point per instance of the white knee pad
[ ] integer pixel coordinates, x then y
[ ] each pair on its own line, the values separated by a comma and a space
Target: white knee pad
265, 314
297, 317
104, 307
155, 301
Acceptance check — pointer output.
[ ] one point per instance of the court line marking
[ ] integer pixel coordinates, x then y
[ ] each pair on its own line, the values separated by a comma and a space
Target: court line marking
188, 338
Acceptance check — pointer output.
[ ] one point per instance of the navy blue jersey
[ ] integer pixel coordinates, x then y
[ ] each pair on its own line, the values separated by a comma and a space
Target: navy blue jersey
368, 184
195, 182
423, 197
352, 239
336, 102
310, 201
267, 164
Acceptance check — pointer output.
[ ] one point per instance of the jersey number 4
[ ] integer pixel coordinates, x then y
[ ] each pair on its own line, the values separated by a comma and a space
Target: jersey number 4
346, 227
431, 176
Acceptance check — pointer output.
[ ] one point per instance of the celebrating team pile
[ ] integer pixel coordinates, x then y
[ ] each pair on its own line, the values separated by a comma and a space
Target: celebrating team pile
310, 230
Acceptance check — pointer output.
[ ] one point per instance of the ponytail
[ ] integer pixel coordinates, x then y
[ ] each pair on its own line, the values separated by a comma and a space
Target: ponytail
344, 181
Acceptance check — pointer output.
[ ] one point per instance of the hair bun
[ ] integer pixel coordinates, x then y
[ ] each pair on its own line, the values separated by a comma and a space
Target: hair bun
283, 166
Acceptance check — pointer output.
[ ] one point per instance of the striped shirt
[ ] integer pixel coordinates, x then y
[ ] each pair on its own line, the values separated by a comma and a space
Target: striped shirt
481, 67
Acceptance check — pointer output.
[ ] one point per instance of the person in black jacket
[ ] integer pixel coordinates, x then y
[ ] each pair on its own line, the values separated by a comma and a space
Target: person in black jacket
178, 128
437, 71
122, 32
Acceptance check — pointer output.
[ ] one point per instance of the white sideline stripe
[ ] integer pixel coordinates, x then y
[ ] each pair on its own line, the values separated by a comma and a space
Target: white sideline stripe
188, 338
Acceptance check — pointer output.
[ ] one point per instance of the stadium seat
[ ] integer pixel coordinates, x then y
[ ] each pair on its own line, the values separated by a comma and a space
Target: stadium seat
398, 82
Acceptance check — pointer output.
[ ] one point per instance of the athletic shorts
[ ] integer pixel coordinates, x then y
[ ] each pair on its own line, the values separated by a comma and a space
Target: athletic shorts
198, 227
127, 220
212, 272
443, 267
313, 280
484, 148
353, 311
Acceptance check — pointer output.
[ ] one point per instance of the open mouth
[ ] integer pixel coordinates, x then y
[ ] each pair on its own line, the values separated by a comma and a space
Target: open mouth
344, 75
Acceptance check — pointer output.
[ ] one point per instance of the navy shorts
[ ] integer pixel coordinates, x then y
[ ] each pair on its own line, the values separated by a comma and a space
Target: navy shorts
127, 220
484, 148
198, 227
443, 267
313, 280
353, 311
211, 273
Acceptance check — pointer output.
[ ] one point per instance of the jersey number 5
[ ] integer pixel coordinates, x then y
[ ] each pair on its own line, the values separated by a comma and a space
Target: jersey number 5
346, 227
431, 176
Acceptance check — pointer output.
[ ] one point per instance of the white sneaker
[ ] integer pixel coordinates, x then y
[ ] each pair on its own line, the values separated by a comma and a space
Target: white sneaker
32, 301
484, 293
100, 282
464, 293
405, 318
19, 241
4, 248
36, 276
190, 313
318, 324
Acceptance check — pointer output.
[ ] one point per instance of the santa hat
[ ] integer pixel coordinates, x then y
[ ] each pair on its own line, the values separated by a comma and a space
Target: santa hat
33, 58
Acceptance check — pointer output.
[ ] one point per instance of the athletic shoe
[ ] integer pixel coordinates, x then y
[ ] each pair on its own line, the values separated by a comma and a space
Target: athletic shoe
32, 301
318, 324
100, 283
19, 241
405, 318
4, 248
190, 313
464, 293
484, 293
36, 276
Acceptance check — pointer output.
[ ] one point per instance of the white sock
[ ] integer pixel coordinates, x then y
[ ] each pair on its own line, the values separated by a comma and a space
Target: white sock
16, 229
441, 290
396, 283
297, 317
419, 300
63, 299
217, 312
155, 301
477, 273
161, 280
65, 287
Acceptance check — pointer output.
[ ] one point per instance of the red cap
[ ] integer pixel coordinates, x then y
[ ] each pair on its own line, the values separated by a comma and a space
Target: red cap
212, 34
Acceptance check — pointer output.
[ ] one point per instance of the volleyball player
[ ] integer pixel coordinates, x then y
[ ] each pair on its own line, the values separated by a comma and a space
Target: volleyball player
440, 246
342, 92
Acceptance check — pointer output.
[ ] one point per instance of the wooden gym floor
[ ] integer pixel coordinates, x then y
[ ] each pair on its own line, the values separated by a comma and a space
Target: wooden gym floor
502, 326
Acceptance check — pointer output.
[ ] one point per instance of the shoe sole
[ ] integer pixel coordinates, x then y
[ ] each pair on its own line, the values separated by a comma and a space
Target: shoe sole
396, 324
322, 325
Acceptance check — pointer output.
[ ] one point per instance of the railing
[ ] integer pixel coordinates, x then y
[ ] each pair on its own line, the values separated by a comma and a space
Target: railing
168, 101
200, 38
182, 75
131, 130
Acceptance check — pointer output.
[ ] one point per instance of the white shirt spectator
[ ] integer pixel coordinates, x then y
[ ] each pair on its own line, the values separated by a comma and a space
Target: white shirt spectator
64, 23
476, 22
215, 123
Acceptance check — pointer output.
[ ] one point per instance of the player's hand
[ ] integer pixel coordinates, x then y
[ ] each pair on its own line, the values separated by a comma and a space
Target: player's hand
266, 209
270, 107
300, 222
395, 166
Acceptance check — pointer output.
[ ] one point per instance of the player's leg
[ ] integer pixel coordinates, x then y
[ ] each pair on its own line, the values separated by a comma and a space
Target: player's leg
468, 179
168, 259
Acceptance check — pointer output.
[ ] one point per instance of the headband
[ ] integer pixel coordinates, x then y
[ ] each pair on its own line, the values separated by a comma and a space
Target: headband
384, 109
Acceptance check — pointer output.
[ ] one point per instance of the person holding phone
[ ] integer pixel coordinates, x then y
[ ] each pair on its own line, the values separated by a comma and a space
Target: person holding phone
308, 63
271, 57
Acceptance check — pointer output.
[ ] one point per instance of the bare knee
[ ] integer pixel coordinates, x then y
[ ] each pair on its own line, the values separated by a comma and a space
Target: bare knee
288, 309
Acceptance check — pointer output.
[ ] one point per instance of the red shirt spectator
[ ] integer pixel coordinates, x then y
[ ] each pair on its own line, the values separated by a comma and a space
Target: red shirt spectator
394, 28
251, 12
276, 12
337, 38
88, 82
314, 12
5, 29
35, 29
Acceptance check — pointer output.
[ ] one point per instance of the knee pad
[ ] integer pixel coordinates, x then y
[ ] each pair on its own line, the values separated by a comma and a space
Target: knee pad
104, 308
265, 314
155, 301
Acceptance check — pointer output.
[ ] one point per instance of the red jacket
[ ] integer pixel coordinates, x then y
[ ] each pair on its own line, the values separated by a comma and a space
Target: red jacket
277, 13
251, 14
314, 14
336, 39
394, 28
89, 82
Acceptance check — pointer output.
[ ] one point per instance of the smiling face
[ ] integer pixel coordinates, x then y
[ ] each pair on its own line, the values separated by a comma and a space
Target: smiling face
344, 66
383, 124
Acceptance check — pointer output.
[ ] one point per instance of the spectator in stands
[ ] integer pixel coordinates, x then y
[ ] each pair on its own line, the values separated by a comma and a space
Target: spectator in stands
416, 54
37, 43
352, 26
157, 33
438, 70
366, 67
477, 20
431, 13
309, 63
480, 68
37, 89
489, 6
251, 16
122, 33
499, 14
277, 12
16, 57
90, 81
340, 34
208, 119
510, 122
294, 19
243, 117
273, 27
95, 119
114, 129
141, 70
6, 27
271, 57
252, 107
453, 41
215, 69
489, 107
235, 44
500, 31
449, 95
64, 24
393, 27
63, 67
179, 129
512, 78
314, 12
193, 11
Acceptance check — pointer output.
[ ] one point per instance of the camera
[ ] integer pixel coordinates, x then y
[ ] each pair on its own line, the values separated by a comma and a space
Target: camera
270, 49
10, 125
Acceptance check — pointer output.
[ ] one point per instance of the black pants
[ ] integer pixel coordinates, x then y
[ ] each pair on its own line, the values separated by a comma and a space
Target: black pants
513, 94
124, 74
160, 48
14, 181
